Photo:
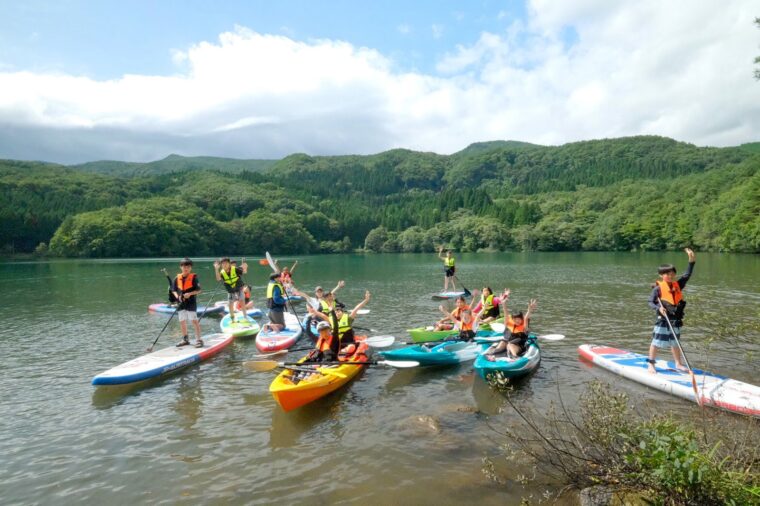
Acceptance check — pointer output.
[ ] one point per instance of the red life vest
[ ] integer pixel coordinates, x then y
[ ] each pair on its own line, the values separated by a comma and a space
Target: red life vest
185, 284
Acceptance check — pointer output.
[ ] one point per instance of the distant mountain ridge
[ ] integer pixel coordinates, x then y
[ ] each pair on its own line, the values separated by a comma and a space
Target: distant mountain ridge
173, 163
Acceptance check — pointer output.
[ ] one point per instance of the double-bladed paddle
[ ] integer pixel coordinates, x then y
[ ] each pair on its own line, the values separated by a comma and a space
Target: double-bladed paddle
268, 365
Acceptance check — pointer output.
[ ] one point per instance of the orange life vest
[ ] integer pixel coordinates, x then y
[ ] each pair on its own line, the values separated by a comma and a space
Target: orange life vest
514, 328
466, 325
670, 292
324, 343
185, 284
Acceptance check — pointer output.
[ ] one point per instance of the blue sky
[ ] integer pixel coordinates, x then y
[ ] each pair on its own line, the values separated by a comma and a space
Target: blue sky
106, 39
138, 80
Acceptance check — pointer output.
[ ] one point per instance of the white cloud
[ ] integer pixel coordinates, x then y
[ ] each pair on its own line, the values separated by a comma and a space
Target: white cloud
680, 69
437, 30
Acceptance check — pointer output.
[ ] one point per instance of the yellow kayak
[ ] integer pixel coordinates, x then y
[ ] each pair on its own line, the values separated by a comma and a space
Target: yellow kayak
293, 388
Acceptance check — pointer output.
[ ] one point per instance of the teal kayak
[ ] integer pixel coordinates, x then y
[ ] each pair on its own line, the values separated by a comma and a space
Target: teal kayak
509, 368
450, 353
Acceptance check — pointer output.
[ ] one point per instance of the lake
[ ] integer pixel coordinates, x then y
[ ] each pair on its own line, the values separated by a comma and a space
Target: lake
213, 434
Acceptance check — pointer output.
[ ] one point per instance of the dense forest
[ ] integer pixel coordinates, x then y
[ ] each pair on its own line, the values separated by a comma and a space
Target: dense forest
636, 193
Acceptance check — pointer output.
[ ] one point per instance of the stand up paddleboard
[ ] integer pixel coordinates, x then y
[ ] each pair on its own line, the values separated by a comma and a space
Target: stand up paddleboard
163, 361
714, 390
241, 327
448, 295
251, 313
268, 341
169, 309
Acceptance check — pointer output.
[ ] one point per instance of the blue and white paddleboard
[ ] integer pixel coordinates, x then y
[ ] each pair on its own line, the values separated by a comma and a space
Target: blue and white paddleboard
448, 295
169, 309
714, 390
164, 361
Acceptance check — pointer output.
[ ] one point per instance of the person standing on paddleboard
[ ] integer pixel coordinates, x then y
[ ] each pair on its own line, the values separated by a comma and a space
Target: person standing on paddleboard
185, 288
449, 269
667, 300
232, 278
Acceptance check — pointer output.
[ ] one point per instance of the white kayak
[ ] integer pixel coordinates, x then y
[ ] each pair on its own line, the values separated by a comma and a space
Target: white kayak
163, 361
241, 327
714, 390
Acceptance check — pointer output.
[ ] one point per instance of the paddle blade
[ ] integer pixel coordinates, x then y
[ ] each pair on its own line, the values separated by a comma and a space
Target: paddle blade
552, 337
467, 293
498, 327
262, 365
273, 354
362, 311
694, 385
401, 364
380, 341
488, 339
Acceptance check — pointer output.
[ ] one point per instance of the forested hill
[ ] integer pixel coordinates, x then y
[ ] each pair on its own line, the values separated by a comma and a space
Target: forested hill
173, 163
632, 193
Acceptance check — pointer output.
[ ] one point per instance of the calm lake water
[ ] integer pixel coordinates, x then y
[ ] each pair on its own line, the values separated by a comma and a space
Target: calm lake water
212, 433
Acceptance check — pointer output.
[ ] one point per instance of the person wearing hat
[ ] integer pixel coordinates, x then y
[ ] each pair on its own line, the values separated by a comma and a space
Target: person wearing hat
327, 346
232, 278
185, 288
668, 302
276, 304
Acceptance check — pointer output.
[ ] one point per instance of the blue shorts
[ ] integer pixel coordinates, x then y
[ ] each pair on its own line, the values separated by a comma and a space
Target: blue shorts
661, 335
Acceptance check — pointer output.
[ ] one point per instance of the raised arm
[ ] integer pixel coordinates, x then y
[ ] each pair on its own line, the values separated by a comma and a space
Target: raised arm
528, 312
340, 285
504, 299
294, 266
217, 272
360, 305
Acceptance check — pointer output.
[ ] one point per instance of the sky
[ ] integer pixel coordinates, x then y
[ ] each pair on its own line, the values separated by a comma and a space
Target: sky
139, 80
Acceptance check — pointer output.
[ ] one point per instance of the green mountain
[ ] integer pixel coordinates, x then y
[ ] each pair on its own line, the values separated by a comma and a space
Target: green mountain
173, 163
632, 193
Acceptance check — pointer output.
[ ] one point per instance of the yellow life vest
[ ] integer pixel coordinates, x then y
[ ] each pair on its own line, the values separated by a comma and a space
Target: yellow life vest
448, 262
487, 303
231, 278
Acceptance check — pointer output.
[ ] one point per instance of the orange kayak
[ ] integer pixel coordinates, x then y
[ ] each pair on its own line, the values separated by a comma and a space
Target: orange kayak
295, 388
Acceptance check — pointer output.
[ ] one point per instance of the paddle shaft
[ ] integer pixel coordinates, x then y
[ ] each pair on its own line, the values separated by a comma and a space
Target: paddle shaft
176, 310
685, 359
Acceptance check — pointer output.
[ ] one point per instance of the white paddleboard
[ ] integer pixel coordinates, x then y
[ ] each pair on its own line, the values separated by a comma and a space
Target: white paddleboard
714, 390
163, 361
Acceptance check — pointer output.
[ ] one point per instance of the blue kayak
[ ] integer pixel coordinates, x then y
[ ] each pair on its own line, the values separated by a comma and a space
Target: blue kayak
449, 353
509, 368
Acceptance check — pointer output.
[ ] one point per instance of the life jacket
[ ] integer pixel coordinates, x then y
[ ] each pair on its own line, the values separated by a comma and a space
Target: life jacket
270, 295
286, 278
448, 262
354, 352
488, 307
457, 312
230, 279
345, 332
324, 307
511, 329
185, 284
672, 299
324, 344
466, 325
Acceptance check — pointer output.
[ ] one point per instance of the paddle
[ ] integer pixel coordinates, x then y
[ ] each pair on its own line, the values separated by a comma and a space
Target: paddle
374, 342
467, 293
362, 311
691, 372
494, 339
150, 348
268, 365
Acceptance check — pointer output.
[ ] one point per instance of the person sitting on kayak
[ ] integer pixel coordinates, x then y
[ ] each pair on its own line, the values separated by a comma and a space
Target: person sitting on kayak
449, 269
342, 325
319, 302
450, 320
464, 318
515, 338
327, 347
232, 279
185, 288
172, 298
276, 304
487, 309
667, 300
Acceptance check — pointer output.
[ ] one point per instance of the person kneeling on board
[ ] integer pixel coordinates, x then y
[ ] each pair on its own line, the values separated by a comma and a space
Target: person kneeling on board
515, 338
667, 300
186, 287
276, 304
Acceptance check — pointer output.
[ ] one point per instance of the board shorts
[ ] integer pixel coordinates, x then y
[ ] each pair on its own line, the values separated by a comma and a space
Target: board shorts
661, 336
235, 296
277, 317
449, 271
466, 335
186, 315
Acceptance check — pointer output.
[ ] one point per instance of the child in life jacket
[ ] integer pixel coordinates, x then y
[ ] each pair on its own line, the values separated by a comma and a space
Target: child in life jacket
464, 318
668, 302
515, 339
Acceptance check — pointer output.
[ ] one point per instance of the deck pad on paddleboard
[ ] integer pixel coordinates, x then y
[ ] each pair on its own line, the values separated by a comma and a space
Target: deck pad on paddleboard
241, 327
267, 341
163, 361
714, 390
